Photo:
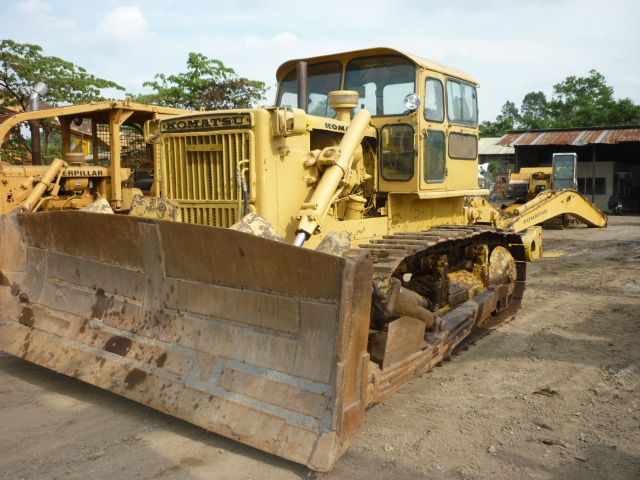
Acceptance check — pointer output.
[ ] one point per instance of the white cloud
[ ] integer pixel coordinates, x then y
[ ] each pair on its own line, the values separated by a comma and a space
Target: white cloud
33, 7
125, 24
283, 40
254, 42
510, 47
35, 14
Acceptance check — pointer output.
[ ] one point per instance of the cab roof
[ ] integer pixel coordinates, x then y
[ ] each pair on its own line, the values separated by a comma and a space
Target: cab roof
369, 52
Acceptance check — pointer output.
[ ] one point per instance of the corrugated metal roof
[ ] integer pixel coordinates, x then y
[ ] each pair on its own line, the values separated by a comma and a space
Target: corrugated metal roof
489, 146
575, 137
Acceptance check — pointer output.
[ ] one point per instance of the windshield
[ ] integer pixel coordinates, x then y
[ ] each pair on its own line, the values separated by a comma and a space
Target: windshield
564, 171
322, 78
382, 82
563, 167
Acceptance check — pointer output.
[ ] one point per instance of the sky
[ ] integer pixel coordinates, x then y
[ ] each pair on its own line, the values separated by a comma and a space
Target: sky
511, 47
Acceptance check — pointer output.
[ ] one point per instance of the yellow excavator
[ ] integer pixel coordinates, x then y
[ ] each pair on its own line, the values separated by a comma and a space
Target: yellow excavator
555, 187
299, 263
540, 196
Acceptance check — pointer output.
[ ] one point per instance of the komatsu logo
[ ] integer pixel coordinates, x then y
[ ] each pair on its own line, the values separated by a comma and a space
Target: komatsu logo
335, 126
534, 216
211, 122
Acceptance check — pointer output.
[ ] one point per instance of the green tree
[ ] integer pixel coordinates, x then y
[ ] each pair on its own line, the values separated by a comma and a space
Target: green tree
507, 120
534, 111
207, 84
576, 102
589, 102
581, 101
22, 65
624, 112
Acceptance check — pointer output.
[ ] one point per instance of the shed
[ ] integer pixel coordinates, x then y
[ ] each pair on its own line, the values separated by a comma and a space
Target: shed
608, 158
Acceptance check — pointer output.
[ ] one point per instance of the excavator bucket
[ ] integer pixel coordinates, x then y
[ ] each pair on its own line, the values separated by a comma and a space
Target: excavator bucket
250, 338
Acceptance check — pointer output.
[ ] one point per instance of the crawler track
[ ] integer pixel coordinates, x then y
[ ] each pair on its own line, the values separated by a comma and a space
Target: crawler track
481, 331
391, 251
465, 322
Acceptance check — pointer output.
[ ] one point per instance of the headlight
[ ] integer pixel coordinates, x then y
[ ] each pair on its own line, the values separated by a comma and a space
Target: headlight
412, 101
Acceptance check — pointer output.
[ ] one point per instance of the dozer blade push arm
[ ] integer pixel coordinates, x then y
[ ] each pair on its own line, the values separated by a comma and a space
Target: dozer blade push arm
43, 185
550, 204
314, 211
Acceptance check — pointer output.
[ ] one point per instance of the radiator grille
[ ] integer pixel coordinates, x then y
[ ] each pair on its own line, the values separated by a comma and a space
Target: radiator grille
201, 175
204, 214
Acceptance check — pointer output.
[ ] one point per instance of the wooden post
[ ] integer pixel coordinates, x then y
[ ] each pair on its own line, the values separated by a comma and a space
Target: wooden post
593, 173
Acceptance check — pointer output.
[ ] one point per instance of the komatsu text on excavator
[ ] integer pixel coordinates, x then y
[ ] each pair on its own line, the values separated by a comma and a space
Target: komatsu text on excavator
302, 261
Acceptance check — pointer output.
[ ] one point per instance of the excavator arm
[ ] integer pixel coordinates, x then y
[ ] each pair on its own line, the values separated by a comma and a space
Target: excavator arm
550, 204
525, 219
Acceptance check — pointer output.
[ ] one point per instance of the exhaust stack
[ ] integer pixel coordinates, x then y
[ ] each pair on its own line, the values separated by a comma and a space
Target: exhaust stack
39, 91
303, 94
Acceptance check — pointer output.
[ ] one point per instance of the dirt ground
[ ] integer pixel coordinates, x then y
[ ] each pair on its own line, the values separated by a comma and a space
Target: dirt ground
555, 394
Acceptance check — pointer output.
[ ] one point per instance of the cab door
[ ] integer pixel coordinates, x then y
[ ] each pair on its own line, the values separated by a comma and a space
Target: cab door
462, 134
433, 161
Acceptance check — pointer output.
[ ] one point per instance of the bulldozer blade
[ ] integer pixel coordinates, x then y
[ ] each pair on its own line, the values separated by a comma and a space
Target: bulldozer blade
250, 338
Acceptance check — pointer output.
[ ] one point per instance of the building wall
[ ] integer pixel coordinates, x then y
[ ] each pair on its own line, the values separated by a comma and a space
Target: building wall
506, 162
602, 170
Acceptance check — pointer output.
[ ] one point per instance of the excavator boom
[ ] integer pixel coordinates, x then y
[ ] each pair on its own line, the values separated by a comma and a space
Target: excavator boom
550, 204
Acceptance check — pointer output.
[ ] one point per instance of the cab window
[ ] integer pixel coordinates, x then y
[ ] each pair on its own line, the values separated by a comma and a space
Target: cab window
382, 83
564, 171
434, 157
462, 103
322, 78
397, 152
434, 100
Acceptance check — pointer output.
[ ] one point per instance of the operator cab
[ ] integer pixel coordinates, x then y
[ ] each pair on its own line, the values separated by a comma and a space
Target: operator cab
426, 115
564, 171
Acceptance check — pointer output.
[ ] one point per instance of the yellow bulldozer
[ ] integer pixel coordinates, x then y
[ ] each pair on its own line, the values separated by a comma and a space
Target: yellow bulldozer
102, 144
298, 263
